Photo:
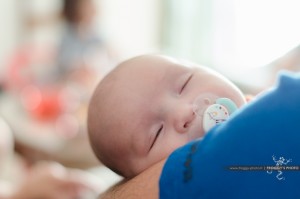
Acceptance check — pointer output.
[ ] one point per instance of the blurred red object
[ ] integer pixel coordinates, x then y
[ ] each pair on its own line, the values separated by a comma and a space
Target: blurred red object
42, 104
49, 107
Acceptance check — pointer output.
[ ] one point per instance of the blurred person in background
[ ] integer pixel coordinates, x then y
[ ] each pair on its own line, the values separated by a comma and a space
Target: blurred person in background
48, 90
83, 54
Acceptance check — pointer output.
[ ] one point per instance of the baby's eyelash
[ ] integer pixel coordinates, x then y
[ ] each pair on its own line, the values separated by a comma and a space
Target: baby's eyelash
156, 136
186, 82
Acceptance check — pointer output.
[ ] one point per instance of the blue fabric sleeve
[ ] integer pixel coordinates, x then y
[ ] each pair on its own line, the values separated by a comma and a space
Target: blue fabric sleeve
232, 160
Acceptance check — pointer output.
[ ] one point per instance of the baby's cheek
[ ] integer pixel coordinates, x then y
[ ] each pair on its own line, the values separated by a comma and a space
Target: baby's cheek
173, 143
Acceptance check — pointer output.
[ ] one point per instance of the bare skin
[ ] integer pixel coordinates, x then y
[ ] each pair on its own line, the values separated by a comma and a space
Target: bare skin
145, 185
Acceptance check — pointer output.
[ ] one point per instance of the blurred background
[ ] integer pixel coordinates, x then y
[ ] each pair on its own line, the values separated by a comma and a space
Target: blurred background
53, 52
229, 35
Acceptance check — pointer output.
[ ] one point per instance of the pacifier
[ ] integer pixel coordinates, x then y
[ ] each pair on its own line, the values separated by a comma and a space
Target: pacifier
213, 109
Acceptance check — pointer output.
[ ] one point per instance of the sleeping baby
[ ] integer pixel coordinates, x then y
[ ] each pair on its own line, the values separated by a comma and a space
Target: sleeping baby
150, 105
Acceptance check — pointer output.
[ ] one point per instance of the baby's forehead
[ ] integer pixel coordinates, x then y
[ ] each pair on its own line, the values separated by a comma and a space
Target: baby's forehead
146, 69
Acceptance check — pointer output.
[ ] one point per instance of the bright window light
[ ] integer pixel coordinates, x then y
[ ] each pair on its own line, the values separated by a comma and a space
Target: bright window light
265, 30
231, 35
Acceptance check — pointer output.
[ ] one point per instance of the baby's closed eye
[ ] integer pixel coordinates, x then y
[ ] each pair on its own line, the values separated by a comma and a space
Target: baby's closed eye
156, 136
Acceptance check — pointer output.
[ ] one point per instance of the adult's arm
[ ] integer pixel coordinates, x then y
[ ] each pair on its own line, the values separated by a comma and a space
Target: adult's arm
145, 185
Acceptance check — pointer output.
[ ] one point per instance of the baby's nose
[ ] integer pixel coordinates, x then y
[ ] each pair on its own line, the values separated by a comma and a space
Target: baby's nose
183, 118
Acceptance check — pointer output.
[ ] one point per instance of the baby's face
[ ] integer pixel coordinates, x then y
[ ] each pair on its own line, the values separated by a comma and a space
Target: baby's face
156, 105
